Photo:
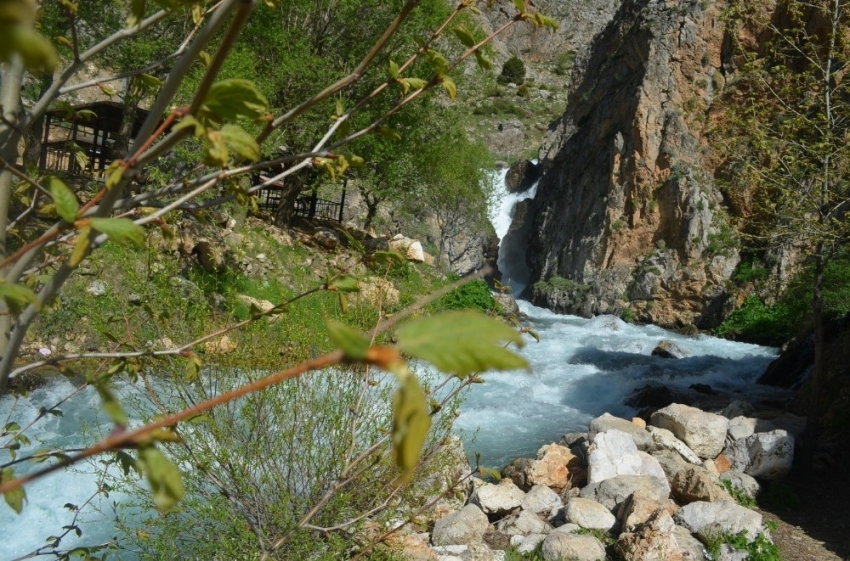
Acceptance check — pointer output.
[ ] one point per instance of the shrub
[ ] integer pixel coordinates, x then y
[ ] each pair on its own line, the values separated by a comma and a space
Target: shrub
513, 72
475, 295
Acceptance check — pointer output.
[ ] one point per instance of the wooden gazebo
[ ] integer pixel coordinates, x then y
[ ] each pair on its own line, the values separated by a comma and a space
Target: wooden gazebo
66, 132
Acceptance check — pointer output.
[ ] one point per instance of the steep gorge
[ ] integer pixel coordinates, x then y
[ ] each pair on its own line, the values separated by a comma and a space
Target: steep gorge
628, 218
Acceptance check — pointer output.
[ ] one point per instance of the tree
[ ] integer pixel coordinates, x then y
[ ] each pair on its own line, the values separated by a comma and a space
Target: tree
227, 129
791, 151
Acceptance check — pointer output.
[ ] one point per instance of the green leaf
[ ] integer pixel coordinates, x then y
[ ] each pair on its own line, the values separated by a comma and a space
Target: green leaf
464, 35
120, 230
416, 83
450, 87
437, 62
15, 497
231, 99
114, 173
85, 114
189, 121
217, 152
127, 462
193, 368
111, 405
483, 62
520, 6
411, 423
17, 296
388, 133
393, 69
349, 340
463, 342
66, 202
18, 37
345, 283
492, 473
12, 427
150, 81
80, 247
240, 141
163, 476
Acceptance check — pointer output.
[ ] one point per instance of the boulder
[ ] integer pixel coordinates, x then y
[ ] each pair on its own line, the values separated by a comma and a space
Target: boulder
639, 508
612, 453
521, 176
555, 467
522, 524
723, 516
668, 349
654, 541
471, 552
742, 427
589, 514
559, 546
219, 346
466, 526
697, 484
606, 422
497, 500
663, 439
613, 492
738, 408
527, 544
704, 433
326, 238
508, 304
692, 548
541, 499
411, 249
743, 483
763, 455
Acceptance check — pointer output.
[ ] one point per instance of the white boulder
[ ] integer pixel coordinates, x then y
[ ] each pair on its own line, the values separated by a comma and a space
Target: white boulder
704, 433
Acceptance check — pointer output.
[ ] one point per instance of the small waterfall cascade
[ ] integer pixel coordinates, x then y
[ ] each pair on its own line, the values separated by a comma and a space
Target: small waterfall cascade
512, 248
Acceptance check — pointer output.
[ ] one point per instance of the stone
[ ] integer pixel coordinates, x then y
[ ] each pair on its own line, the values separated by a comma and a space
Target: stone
378, 292
639, 508
466, 526
411, 249
559, 546
96, 288
722, 463
497, 500
763, 455
654, 541
541, 499
523, 524
589, 514
639, 422
527, 544
612, 453
738, 408
704, 433
745, 484
521, 176
508, 304
220, 346
692, 548
742, 427
663, 439
326, 239
555, 467
613, 492
724, 516
697, 484
668, 349
261, 305
606, 422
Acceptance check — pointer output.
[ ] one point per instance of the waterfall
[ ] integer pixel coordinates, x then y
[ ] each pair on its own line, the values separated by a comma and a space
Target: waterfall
512, 242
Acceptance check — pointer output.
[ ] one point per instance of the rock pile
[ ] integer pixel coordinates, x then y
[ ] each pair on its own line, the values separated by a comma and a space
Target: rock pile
646, 493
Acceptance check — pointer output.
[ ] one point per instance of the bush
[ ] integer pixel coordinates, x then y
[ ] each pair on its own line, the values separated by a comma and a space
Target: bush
475, 295
513, 72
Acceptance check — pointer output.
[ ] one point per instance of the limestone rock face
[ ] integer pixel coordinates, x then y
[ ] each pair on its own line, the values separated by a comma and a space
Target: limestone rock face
613, 492
627, 202
521, 176
697, 484
541, 499
663, 439
523, 524
612, 453
410, 248
589, 514
704, 433
641, 438
555, 467
721, 516
463, 527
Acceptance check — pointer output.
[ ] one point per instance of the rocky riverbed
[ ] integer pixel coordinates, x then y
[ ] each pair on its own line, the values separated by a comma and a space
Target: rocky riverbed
681, 487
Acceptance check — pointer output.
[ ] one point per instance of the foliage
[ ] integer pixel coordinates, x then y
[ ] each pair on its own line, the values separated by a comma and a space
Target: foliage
475, 295
740, 497
759, 549
513, 71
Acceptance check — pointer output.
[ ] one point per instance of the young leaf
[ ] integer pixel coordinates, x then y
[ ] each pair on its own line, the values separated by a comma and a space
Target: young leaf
411, 423
17, 296
388, 133
464, 342
66, 202
483, 62
520, 5
416, 83
111, 405
163, 476
37, 53
120, 230
450, 87
464, 35
349, 340
231, 99
492, 473
393, 69
344, 283
15, 497
193, 368
240, 142
217, 152
80, 247
437, 62
114, 173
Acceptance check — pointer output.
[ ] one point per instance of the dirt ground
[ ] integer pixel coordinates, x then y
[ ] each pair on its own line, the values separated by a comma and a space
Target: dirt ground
812, 516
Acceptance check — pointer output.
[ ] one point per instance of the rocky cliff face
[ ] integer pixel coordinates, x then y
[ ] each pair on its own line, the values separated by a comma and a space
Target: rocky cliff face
627, 217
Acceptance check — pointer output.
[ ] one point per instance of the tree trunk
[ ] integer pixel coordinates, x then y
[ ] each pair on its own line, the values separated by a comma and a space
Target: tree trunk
34, 134
372, 203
